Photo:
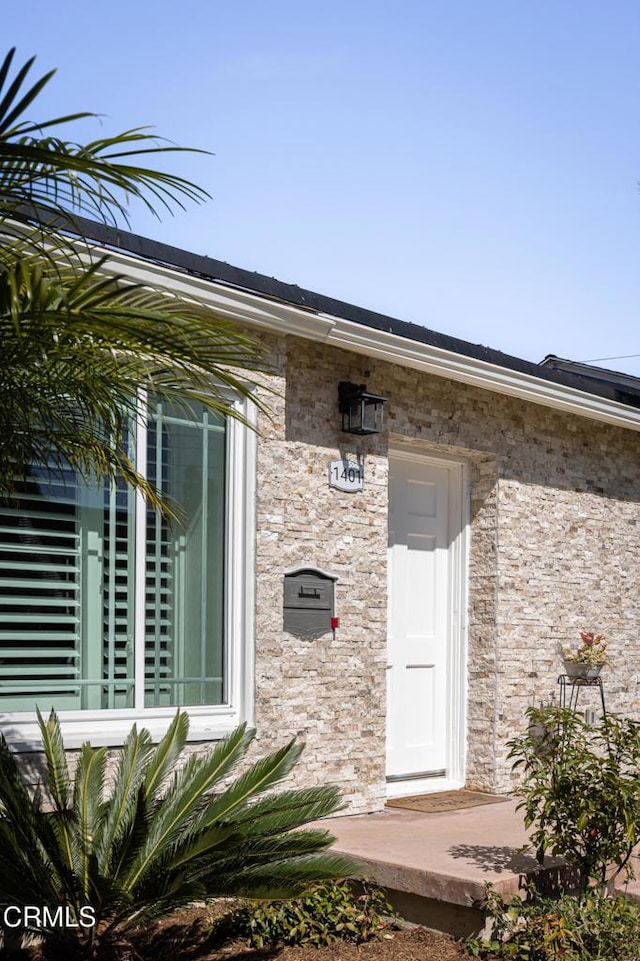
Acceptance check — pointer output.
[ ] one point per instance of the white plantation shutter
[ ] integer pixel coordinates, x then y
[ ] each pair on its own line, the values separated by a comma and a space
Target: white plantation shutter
40, 576
57, 597
118, 599
68, 581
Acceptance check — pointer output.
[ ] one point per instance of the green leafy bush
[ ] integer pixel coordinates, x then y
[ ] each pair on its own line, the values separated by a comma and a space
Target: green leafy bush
327, 912
580, 791
590, 928
164, 834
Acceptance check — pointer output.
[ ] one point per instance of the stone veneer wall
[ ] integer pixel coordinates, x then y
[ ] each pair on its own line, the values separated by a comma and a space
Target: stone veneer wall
329, 691
554, 549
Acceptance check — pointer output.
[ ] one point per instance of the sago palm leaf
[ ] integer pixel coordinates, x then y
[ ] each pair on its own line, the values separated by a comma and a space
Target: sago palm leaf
88, 808
142, 847
59, 789
185, 796
57, 766
133, 765
166, 756
215, 857
260, 777
130, 831
222, 862
26, 876
282, 810
29, 846
283, 879
196, 850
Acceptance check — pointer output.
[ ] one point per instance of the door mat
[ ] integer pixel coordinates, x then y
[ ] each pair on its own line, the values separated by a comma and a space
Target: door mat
444, 801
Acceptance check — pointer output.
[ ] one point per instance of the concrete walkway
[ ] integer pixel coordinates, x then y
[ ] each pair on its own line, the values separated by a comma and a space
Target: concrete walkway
436, 866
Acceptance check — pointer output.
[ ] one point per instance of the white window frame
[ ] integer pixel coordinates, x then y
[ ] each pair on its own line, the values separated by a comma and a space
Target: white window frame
110, 726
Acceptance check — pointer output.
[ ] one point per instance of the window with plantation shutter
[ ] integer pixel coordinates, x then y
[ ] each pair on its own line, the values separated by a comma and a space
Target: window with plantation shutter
41, 569
107, 605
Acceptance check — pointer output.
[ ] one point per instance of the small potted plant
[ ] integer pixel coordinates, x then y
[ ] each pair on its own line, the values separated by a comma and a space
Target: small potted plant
589, 658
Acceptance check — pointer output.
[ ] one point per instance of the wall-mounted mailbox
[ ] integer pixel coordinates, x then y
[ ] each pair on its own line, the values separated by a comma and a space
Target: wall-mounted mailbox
309, 602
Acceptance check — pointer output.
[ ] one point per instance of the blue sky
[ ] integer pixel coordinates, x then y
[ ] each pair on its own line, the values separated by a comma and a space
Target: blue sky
469, 166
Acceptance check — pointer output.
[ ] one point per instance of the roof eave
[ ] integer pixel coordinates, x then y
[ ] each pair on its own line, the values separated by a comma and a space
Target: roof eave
280, 317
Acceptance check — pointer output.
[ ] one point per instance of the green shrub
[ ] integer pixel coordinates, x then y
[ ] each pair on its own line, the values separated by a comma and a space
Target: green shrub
163, 835
327, 912
580, 790
588, 928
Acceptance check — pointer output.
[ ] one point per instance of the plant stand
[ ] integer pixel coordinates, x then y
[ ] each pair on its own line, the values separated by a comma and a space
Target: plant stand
570, 688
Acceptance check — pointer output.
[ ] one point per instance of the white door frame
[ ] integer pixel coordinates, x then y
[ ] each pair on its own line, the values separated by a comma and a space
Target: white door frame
459, 518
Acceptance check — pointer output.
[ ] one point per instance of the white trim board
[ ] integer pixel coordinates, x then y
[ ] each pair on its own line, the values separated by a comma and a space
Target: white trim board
260, 311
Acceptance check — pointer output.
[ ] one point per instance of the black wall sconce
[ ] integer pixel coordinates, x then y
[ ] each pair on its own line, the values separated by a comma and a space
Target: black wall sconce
362, 412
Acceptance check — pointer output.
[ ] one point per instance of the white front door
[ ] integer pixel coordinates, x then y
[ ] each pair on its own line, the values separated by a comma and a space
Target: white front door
425, 525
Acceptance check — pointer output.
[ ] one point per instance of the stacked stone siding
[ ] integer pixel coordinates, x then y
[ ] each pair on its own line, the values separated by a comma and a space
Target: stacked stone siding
554, 549
330, 691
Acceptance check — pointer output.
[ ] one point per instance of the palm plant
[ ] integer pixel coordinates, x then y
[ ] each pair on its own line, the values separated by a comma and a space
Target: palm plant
77, 340
163, 835
77, 345
46, 176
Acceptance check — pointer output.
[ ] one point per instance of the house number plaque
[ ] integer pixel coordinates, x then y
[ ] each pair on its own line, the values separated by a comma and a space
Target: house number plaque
346, 475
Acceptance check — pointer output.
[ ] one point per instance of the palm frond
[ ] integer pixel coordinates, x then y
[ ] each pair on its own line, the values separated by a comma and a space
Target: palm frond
285, 878
260, 777
88, 804
285, 810
63, 176
26, 874
120, 813
185, 796
188, 854
57, 767
166, 755
77, 347
143, 849
25, 839
59, 788
78, 340
9, 112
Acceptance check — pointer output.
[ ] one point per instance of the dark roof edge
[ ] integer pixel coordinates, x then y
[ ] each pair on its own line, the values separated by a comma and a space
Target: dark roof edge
221, 272
591, 371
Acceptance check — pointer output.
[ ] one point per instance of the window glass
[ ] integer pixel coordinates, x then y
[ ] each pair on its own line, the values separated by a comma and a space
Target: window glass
69, 591
184, 663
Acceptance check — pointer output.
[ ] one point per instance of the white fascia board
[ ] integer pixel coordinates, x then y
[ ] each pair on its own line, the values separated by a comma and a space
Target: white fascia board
230, 303
480, 373
278, 317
